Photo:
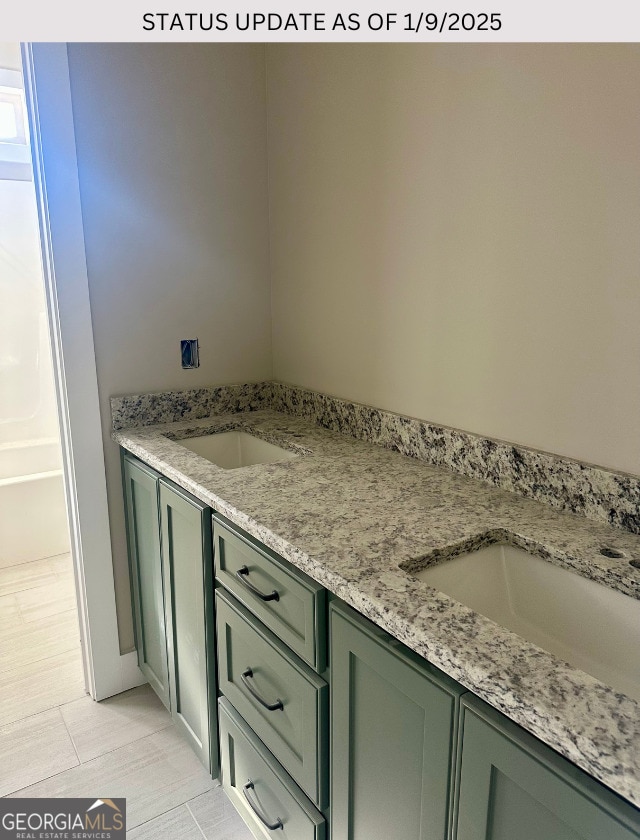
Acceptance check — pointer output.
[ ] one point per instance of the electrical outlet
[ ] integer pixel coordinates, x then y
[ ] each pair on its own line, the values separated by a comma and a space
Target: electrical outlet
189, 353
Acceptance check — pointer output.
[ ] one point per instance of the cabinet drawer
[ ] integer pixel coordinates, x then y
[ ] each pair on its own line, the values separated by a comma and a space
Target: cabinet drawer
295, 609
252, 661
259, 788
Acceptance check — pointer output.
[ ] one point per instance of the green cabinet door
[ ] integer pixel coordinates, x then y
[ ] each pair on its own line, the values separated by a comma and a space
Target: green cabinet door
188, 580
513, 787
392, 736
145, 564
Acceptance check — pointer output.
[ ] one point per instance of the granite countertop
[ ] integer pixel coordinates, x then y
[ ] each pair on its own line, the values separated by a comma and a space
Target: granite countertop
353, 515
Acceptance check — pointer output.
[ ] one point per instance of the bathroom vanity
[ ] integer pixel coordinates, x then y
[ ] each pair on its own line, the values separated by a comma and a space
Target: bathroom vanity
353, 698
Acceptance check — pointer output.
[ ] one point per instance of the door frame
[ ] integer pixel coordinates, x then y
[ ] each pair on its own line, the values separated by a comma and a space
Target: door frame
55, 171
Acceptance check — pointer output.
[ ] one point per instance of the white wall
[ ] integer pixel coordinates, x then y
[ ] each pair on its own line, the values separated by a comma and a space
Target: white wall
171, 143
454, 236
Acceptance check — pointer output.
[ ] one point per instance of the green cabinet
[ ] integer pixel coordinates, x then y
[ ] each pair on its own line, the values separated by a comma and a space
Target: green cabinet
170, 555
283, 700
145, 568
263, 793
188, 585
411, 754
513, 786
286, 600
414, 756
393, 726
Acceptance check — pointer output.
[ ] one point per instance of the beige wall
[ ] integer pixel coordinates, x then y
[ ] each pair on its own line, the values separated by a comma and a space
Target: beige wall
454, 236
171, 146
453, 232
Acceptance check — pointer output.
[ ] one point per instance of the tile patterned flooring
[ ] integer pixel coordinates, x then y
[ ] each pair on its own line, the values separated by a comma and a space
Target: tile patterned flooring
56, 741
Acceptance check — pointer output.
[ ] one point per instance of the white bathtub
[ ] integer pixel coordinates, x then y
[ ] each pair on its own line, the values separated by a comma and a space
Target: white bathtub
33, 516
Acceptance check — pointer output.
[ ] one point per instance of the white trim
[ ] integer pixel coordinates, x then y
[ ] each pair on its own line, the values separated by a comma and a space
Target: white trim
48, 91
131, 675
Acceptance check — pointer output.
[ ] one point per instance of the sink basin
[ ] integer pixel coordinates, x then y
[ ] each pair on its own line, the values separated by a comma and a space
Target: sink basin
592, 627
231, 450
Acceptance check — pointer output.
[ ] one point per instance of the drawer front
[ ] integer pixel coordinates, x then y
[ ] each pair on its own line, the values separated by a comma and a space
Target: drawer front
296, 607
259, 788
255, 669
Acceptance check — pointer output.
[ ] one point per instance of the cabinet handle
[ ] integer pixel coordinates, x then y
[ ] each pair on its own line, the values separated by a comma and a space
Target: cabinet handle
264, 820
242, 574
272, 707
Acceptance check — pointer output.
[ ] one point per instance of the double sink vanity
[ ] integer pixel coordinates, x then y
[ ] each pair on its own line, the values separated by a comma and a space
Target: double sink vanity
362, 646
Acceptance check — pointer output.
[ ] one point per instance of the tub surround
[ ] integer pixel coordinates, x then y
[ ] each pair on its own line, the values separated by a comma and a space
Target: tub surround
31, 491
357, 518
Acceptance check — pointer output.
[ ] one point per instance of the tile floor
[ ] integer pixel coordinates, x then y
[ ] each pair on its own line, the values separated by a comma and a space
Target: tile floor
55, 741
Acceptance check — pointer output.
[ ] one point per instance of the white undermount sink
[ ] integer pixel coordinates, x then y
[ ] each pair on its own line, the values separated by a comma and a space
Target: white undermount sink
592, 627
234, 449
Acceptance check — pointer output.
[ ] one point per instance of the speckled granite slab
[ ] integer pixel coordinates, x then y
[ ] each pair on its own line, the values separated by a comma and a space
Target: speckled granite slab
169, 406
589, 491
565, 484
357, 517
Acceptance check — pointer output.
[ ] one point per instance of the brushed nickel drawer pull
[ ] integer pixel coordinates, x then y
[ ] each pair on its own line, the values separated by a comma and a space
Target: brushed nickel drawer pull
264, 820
272, 707
242, 575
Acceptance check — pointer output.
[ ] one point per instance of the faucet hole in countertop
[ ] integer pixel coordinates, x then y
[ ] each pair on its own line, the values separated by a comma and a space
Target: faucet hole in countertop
614, 553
